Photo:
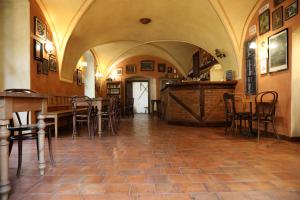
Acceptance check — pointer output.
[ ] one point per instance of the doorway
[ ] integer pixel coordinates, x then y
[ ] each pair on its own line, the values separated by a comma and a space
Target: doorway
140, 94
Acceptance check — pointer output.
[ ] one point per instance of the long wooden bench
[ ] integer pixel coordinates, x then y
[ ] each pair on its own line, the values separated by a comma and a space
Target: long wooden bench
58, 114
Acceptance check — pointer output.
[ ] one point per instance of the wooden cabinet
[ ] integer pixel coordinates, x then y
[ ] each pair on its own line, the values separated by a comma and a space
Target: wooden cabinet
113, 89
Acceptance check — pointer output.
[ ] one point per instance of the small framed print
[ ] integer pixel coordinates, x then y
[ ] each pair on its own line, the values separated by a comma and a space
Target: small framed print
52, 63
264, 22
170, 70
119, 71
79, 77
277, 2
264, 66
291, 10
39, 67
277, 18
130, 69
37, 50
161, 67
45, 66
278, 51
40, 29
147, 65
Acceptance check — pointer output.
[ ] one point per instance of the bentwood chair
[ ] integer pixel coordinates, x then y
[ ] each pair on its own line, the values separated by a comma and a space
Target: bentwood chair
265, 106
129, 107
80, 117
231, 115
26, 131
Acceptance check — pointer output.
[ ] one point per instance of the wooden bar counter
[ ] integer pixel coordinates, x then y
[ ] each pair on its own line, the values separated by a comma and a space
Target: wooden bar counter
195, 103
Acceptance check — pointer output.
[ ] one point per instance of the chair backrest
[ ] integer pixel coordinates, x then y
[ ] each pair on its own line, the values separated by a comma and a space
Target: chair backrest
21, 90
81, 101
265, 104
229, 101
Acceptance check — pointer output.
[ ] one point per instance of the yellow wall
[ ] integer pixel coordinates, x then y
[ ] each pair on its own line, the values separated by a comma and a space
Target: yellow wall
278, 81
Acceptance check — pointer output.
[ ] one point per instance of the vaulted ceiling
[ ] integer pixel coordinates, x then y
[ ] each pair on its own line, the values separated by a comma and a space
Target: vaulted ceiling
112, 29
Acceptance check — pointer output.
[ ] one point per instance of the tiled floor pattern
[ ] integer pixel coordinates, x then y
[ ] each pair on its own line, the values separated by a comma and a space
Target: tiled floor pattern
152, 160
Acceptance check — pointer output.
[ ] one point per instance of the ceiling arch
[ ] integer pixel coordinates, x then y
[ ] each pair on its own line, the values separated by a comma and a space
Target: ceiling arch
209, 24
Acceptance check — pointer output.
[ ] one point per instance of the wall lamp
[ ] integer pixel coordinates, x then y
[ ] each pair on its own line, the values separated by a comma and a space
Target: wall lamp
219, 54
49, 47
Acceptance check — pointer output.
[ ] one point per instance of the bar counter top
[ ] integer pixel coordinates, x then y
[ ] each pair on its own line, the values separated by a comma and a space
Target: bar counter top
195, 103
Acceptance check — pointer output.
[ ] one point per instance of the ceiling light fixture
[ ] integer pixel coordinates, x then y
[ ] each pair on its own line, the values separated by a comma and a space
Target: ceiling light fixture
145, 20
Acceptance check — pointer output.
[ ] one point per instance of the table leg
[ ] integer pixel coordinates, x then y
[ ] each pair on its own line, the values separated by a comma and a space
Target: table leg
56, 127
41, 139
4, 182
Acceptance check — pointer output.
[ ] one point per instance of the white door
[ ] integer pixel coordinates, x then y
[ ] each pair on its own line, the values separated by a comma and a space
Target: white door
140, 95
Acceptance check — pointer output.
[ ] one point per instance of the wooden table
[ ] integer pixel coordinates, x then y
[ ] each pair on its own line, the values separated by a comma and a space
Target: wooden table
18, 102
250, 101
95, 102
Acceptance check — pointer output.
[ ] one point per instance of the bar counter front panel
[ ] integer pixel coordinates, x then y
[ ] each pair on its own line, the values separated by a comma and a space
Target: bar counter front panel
195, 103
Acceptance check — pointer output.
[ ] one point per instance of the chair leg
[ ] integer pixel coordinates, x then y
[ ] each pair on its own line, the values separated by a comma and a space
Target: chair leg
266, 128
50, 146
11, 143
258, 131
19, 153
275, 131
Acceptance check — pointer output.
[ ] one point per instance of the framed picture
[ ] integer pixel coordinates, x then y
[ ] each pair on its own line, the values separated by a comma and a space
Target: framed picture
264, 22
170, 70
119, 71
264, 66
45, 66
114, 91
147, 65
40, 28
130, 69
291, 10
37, 50
79, 77
52, 63
277, 2
39, 67
161, 67
277, 18
278, 51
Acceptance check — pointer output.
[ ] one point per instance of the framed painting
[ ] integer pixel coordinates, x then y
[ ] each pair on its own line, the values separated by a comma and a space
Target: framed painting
119, 71
52, 63
40, 29
147, 65
39, 67
37, 50
264, 22
130, 69
291, 10
45, 66
79, 77
277, 2
277, 18
161, 67
278, 51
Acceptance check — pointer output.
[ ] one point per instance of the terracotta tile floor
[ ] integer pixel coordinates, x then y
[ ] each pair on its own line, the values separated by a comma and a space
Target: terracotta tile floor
152, 160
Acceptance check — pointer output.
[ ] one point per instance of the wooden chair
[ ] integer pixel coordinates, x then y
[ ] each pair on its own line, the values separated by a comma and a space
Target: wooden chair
129, 107
231, 115
26, 132
265, 106
82, 116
